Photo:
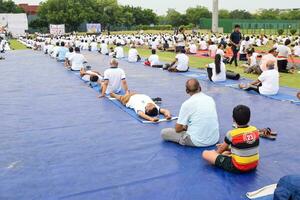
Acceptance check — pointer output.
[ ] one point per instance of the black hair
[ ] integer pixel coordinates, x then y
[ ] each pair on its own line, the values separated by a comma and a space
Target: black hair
287, 42
77, 49
71, 49
62, 44
218, 60
272, 50
241, 115
237, 26
94, 78
153, 112
153, 51
182, 50
57, 43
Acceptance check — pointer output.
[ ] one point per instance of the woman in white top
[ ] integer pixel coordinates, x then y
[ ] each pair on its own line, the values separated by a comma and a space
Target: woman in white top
217, 71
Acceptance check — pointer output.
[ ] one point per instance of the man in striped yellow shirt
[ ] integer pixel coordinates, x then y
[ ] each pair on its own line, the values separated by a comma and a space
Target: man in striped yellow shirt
239, 152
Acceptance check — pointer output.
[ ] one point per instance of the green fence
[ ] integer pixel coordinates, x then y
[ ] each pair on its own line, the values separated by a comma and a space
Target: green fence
254, 26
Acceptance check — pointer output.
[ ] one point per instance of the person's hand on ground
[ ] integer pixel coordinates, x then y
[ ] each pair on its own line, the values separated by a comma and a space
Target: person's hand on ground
168, 117
242, 86
154, 119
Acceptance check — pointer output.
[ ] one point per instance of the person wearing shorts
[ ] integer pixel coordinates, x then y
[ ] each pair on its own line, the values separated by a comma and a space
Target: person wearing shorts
239, 151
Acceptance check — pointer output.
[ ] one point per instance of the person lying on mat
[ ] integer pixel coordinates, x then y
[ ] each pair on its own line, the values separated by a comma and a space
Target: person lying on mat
153, 60
239, 151
181, 63
267, 83
143, 105
114, 80
197, 125
90, 75
217, 71
77, 60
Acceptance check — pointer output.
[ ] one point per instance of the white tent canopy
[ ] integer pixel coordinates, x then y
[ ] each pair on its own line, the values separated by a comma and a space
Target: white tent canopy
16, 24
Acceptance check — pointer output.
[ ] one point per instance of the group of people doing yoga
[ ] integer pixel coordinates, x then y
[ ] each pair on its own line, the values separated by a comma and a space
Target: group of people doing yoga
267, 65
197, 124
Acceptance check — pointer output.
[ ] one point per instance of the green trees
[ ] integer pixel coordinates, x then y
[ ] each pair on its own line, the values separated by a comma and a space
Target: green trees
107, 12
73, 13
8, 6
193, 15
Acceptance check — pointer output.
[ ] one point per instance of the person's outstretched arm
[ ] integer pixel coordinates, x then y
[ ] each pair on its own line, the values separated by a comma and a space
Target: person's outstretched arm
104, 88
125, 85
166, 113
146, 117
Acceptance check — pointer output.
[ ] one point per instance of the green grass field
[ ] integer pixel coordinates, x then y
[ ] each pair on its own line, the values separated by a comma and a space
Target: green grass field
16, 45
289, 80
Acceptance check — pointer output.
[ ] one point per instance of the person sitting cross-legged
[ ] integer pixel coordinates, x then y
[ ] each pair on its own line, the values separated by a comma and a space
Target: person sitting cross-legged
239, 151
267, 83
197, 124
153, 60
181, 63
143, 105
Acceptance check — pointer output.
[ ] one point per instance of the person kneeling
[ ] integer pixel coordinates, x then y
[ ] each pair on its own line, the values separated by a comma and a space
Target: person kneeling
143, 105
267, 83
217, 71
239, 152
181, 63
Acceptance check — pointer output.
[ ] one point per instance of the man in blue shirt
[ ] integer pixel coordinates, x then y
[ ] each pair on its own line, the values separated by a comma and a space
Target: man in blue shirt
235, 40
62, 52
197, 124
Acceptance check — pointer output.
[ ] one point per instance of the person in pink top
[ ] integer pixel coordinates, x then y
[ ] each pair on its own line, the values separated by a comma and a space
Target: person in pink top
271, 56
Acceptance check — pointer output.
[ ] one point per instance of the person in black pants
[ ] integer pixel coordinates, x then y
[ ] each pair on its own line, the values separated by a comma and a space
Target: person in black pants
235, 40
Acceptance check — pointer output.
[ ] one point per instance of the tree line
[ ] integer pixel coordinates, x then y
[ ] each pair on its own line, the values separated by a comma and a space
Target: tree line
109, 13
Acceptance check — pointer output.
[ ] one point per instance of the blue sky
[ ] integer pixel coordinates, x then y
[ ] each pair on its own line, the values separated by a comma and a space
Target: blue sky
160, 6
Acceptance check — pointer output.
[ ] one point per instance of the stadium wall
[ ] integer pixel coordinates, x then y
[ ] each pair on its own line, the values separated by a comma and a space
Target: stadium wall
253, 26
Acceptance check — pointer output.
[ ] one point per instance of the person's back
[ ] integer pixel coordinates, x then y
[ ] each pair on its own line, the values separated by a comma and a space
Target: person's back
183, 62
244, 147
154, 60
132, 55
94, 46
62, 51
77, 60
115, 77
193, 49
119, 52
267, 58
270, 82
203, 126
218, 77
104, 48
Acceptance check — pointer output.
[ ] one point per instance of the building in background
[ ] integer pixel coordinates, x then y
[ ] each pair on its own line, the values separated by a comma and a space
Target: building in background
29, 9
